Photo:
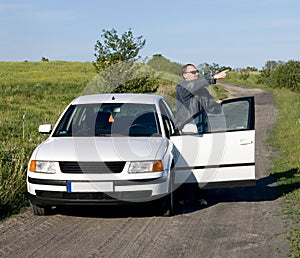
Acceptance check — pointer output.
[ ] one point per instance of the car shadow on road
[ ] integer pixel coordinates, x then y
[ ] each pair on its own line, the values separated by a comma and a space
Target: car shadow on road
135, 210
266, 189
104, 211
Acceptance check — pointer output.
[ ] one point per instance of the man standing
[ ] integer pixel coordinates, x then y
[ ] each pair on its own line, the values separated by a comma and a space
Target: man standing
193, 101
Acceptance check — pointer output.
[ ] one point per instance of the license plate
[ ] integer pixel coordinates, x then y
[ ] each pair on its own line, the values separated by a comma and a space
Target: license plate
90, 187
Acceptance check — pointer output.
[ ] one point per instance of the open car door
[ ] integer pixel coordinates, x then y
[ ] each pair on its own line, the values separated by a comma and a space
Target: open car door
224, 156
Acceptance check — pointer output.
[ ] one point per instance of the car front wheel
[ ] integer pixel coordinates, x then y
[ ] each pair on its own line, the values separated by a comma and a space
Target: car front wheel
40, 210
169, 200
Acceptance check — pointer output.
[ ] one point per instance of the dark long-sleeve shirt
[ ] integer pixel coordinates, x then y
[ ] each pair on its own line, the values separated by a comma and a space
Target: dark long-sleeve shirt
193, 99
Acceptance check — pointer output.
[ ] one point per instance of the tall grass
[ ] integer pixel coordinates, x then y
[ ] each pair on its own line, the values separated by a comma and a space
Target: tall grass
285, 139
12, 178
31, 94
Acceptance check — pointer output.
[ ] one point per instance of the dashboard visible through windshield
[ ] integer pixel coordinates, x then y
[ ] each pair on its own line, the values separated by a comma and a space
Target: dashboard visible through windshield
109, 119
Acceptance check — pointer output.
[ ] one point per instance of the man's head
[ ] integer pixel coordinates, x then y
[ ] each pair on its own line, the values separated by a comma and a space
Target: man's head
190, 72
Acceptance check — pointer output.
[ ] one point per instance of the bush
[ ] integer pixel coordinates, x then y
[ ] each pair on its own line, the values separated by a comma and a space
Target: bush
244, 74
287, 76
284, 75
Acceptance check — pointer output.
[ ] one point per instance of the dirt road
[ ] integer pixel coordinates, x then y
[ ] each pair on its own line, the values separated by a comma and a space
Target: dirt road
239, 222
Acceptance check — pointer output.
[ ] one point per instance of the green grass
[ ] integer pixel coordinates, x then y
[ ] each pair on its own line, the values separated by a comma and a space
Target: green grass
32, 93
286, 166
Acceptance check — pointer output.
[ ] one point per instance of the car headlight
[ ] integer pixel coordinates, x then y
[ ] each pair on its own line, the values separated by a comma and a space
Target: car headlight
146, 166
43, 166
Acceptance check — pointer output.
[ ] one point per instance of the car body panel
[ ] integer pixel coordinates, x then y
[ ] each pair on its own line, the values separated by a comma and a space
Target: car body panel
215, 158
102, 148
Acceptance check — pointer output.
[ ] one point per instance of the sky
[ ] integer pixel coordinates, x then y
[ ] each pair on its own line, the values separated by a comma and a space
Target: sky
235, 33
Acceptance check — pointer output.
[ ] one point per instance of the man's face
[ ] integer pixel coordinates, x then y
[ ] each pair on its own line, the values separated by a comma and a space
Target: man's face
191, 73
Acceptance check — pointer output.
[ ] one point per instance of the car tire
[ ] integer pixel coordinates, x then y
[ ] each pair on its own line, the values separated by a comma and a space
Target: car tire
40, 210
168, 210
169, 200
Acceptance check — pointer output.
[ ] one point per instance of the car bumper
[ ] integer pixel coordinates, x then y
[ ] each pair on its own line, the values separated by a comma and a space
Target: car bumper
59, 192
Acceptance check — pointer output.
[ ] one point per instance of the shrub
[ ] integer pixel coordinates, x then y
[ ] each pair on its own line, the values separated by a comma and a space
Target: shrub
287, 76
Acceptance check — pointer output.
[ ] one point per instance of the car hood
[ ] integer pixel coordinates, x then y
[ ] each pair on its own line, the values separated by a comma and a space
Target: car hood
101, 149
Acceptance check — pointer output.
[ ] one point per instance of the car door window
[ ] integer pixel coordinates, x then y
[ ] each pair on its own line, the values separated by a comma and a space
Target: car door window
236, 115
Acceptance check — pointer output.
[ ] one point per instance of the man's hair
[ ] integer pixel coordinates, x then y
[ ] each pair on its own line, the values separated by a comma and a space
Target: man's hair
185, 67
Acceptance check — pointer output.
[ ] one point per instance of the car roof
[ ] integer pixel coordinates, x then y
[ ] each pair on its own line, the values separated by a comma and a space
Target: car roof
118, 98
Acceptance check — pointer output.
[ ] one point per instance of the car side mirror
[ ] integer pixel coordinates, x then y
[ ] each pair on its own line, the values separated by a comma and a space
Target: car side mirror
190, 129
45, 129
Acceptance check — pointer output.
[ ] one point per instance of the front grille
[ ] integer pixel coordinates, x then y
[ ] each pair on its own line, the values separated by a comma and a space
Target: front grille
98, 196
91, 167
73, 196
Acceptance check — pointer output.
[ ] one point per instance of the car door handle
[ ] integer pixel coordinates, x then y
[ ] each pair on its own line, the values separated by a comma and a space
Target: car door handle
245, 141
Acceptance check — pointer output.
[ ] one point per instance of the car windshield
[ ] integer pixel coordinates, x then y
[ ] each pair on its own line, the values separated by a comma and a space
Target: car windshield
109, 119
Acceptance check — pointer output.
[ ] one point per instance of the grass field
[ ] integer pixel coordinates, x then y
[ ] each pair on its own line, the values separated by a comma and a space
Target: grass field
31, 94
36, 93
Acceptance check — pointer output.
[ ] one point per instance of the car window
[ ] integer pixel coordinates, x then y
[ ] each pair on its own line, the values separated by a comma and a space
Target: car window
235, 116
109, 119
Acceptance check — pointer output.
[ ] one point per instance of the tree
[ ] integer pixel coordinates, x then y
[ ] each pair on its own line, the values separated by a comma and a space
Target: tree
115, 49
116, 64
271, 65
204, 68
251, 69
44, 59
214, 68
266, 73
